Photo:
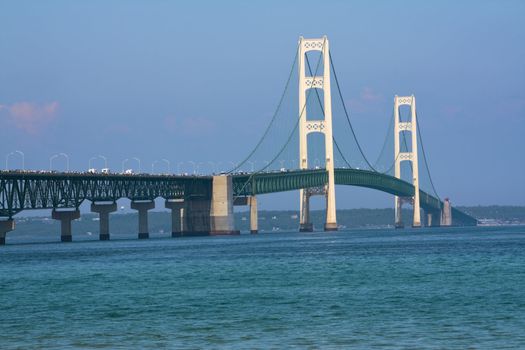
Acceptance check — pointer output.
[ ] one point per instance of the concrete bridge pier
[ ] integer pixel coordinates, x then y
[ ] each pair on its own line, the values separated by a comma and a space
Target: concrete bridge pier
143, 207
65, 217
103, 210
221, 209
398, 207
446, 213
305, 225
433, 218
254, 225
6, 226
177, 212
196, 217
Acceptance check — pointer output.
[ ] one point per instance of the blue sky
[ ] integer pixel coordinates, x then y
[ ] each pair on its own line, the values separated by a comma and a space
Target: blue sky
198, 81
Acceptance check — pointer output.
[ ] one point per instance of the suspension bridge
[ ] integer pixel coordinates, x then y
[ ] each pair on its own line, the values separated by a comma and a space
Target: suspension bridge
203, 205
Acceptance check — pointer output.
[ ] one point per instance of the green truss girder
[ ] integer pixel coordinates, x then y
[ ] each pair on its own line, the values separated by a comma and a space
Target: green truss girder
246, 185
23, 190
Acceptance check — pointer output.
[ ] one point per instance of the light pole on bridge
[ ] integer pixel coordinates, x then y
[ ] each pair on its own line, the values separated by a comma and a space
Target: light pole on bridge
127, 160
153, 166
90, 162
13, 153
67, 160
158, 161
105, 160
62, 154
168, 163
213, 166
196, 166
95, 157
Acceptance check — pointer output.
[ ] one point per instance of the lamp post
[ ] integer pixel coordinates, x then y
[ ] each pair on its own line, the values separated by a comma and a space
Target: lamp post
194, 166
105, 160
213, 166
51, 161
67, 160
99, 156
90, 161
23, 159
56, 156
168, 163
178, 167
153, 166
7, 160
13, 153
138, 160
124, 163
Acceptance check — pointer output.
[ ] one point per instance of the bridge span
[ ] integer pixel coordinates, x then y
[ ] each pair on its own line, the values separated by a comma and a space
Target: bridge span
200, 205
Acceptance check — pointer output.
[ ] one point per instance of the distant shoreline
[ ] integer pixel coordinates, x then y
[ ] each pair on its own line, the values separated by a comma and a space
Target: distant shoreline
269, 220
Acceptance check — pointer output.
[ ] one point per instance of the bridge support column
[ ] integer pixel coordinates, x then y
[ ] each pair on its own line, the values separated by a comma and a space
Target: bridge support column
323, 125
103, 210
446, 213
65, 217
196, 217
221, 212
433, 219
398, 207
429, 219
177, 212
254, 224
304, 224
5, 227
143, 207
410, 155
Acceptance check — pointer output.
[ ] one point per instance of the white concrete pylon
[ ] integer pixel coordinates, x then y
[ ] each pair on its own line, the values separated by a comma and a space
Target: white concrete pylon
322, 125
409, 156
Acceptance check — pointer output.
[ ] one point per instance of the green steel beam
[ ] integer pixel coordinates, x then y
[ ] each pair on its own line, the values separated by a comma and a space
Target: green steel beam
30, 190
27, 190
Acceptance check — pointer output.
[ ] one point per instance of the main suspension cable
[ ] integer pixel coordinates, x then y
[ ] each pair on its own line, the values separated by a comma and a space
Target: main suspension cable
388, 131
425, 159
273, 117
347, 115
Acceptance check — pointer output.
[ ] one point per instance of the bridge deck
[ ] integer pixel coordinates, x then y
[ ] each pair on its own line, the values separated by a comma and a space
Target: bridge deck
34, 190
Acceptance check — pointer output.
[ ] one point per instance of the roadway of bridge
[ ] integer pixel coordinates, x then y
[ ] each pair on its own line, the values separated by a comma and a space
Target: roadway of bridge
21, 190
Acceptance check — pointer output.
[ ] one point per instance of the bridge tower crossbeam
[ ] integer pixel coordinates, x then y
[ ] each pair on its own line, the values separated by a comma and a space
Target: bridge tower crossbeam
323, 126
409, 156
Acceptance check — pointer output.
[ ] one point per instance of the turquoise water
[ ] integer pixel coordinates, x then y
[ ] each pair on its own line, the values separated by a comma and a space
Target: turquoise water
420, 289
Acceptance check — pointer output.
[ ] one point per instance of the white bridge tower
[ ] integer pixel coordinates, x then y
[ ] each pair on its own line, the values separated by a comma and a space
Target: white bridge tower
322, 125
409, 155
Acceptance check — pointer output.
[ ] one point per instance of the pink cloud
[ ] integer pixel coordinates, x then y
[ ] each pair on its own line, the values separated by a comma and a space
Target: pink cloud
451, 111
197, 125
30, 117
369, 95
368, 99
